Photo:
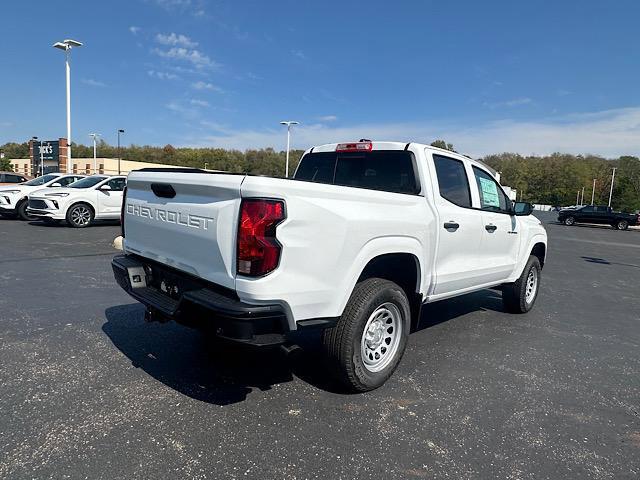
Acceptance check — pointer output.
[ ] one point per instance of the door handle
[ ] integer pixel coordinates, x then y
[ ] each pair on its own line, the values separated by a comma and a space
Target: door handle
451, 226
490, 228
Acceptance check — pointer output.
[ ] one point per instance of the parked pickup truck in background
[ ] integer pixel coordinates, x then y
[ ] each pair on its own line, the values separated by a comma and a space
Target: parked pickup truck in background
355, 243
597, 214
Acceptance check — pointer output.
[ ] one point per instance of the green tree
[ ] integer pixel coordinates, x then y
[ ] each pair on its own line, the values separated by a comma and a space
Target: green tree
442, 144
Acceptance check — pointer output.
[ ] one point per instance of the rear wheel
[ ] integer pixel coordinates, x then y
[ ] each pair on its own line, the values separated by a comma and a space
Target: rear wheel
80, 215
21, 210
622, 225
519, 296
366, 345
569, 221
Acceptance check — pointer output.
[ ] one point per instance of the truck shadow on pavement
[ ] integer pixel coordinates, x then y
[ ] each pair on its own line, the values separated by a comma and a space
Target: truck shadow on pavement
221, 373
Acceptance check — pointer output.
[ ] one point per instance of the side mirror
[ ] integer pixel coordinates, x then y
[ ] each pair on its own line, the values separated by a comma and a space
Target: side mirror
56, 184
105, 187
522, 209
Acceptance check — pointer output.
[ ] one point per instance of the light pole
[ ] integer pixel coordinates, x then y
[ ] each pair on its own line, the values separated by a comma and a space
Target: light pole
578, 198
593, 191
613, 177
582, 197
119, 132
67, 45
95, 156
288, 123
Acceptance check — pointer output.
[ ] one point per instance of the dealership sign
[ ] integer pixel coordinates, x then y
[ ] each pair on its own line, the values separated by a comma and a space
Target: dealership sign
47, 150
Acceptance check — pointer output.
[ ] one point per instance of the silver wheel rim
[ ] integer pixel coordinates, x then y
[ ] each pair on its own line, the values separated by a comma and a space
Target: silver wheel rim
532, 286
569, 221
81, 215
381, 337
622, 225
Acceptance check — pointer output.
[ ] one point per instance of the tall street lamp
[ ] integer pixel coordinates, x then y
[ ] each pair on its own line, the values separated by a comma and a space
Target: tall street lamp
95, 156
288, 123
119, 132
67, 45
593, 190
613, 177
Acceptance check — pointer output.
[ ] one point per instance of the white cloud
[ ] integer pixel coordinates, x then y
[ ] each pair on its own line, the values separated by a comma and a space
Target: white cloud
609, 133
162, 75
328, 118
199, 103
133, 29
299, 53
195, 57
93, 83
175, 40
200, 85
172, 4
515, 102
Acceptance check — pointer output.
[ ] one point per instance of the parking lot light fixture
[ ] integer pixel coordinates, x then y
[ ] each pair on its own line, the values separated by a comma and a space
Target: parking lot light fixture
67, 45
593, 191
119, 132
95, 165
613, 177
288, 123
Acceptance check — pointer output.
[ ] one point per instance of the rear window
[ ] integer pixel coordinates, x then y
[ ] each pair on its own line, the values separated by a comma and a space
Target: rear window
387, 170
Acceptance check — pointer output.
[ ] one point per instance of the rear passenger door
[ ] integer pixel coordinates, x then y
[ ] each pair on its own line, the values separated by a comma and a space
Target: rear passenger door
500, 235
458, 264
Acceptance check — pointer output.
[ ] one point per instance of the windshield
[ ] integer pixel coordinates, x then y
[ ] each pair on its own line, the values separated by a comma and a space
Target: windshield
41, 180
87, 182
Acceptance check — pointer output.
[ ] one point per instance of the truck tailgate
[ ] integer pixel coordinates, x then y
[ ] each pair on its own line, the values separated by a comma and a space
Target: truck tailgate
186, 220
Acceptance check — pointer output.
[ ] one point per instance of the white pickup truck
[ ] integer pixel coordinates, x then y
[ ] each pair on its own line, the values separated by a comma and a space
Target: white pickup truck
355, 243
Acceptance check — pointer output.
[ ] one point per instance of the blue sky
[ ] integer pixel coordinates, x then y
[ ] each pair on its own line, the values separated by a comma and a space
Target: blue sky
533, 77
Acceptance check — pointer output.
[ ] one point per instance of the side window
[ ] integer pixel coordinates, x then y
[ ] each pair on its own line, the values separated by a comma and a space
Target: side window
64, 181
602, 209
453, 181
8, 178
588, 209
117, 184
492, 197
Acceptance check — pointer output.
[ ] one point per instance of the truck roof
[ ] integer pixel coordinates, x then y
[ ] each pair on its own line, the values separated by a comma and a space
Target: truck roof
385, 145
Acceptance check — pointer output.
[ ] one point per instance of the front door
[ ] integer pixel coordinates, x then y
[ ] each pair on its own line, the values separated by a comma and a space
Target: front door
500, 229
110, 201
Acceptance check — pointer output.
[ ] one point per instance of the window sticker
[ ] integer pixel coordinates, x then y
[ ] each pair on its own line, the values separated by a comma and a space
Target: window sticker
489, 192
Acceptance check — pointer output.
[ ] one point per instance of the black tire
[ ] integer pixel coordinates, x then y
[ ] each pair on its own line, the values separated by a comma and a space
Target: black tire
514, 295
21, 210
343, 343
622, 225
76, 216
570, 220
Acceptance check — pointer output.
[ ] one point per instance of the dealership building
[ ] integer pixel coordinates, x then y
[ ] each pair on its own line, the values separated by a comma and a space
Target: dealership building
51, 156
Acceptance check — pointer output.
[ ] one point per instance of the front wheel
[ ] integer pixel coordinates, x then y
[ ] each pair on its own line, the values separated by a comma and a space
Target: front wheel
519, 296
366, 345
569, 221
622, 225
21, 210
80, 215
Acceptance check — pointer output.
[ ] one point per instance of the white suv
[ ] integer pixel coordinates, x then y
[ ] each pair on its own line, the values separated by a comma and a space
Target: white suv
13, 199
98, 197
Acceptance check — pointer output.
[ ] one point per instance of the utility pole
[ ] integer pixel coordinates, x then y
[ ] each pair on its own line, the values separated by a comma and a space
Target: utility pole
613, 177
593, 191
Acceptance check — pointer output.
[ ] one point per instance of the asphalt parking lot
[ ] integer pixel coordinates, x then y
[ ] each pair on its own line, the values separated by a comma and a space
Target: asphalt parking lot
88, 390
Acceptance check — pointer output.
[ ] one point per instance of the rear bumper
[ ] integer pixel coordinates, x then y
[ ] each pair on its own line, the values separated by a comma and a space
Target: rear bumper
196, 303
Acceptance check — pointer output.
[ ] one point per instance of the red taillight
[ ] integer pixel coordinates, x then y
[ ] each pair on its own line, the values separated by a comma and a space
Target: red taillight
258, 248
124, 202
354, 147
